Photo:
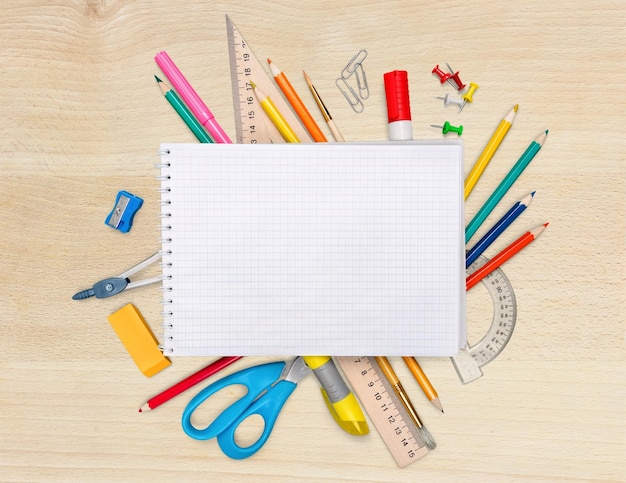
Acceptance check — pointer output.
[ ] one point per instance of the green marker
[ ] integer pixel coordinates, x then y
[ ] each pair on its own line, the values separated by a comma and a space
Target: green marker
182, 110
504, 186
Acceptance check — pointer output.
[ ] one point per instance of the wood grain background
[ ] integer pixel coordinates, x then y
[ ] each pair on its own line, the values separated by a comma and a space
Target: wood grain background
83, 118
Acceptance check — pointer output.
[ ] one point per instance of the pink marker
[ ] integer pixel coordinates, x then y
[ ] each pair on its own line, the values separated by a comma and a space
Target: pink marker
191, 98
398, 106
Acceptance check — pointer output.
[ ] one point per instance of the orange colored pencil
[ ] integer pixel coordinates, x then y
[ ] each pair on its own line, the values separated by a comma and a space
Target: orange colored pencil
503, 256
297, 104
423, 381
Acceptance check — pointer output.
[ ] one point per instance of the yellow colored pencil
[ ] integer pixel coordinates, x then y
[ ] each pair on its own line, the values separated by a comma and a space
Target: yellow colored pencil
275, 116
489, 151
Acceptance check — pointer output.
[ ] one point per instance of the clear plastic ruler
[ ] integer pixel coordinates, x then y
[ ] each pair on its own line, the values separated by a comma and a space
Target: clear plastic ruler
469, 361
384, 408
251, 123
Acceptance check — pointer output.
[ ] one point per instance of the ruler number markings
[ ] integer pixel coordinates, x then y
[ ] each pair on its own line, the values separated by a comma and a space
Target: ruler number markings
383, 409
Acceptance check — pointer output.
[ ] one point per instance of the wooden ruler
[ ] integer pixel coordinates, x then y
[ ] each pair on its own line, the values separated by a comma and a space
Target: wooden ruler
251, 122
384, 409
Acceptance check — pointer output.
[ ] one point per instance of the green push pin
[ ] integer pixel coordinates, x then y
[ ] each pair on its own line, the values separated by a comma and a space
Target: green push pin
447, 127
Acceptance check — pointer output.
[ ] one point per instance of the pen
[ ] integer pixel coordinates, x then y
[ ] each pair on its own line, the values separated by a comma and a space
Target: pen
503, 256
298, 106
423, 381
188, 382
340, 401
489, 151
495, 231
182, 110
191, 98
327, 117
275, 116
504, 185
390, 374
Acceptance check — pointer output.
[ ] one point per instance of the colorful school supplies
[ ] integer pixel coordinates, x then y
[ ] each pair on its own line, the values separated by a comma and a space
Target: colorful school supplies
489, 150
268, 388
275, 116
504, 185
184, 113
188, 382
191, 98
138, 339
340, 401
398, 105
423, 381
298, 106
322, 107
391, 376
114, 285
122, 214
495, 231
504, 255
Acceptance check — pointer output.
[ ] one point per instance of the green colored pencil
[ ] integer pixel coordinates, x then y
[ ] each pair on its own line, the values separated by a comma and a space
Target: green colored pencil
182, 110
504, 185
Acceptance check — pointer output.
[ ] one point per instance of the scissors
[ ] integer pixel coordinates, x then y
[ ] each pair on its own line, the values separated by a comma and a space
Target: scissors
269, 386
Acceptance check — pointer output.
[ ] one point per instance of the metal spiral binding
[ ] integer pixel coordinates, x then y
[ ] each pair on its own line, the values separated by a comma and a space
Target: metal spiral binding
166, 300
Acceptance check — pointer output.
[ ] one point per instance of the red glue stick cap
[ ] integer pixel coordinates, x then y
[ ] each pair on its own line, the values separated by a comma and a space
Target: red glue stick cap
397, 93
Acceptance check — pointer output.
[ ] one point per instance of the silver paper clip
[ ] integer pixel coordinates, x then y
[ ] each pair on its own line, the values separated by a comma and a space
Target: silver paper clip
354, 67
361, 82
350, 95
356, 60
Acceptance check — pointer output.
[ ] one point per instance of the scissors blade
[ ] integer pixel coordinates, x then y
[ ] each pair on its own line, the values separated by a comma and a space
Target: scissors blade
295, 370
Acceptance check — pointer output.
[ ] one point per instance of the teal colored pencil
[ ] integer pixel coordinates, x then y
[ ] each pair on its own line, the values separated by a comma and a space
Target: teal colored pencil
504, 185
184, 112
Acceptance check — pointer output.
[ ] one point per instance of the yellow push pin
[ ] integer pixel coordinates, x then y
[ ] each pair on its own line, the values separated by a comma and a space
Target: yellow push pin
468, 96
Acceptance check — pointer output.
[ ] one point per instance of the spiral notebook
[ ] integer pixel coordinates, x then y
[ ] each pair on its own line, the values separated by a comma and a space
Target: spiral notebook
324, 248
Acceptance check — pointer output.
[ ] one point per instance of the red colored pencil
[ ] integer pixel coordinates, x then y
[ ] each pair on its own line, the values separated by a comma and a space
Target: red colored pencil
188, 382
503, 256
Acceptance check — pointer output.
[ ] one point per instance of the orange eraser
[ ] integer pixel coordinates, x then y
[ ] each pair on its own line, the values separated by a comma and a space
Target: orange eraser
138, 339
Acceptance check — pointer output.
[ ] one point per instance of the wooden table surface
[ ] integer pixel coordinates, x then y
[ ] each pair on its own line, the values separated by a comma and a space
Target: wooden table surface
83, 119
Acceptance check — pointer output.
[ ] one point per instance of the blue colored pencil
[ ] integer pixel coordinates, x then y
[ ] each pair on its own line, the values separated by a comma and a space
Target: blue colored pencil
504, 185
495, 231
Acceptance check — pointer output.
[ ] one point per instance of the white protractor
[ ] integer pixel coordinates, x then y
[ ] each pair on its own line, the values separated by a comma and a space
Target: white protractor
469, 361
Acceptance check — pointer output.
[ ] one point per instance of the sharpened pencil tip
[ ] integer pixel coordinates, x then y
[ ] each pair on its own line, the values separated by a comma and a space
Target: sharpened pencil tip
533, 193
546, 224
516, 107
269, 61
253, 84
157, 79
546, 132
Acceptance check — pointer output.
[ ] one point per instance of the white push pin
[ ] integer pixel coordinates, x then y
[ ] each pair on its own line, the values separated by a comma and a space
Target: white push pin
452, 100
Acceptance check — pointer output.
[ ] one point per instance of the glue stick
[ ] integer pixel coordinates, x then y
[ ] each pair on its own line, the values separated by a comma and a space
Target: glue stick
398, 105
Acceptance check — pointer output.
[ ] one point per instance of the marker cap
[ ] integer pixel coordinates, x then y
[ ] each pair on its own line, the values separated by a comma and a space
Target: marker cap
398, 105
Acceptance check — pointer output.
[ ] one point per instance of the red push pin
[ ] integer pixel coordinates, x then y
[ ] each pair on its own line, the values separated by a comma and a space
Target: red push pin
454, 76
443, 76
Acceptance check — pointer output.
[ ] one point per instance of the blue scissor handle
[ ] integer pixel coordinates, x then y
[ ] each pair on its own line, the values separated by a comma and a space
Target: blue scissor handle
256, 379
268, 406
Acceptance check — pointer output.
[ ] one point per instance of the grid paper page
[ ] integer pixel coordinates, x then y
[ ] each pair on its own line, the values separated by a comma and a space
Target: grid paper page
323, 248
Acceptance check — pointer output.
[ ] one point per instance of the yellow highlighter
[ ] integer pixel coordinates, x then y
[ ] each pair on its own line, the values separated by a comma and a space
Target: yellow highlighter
341, 402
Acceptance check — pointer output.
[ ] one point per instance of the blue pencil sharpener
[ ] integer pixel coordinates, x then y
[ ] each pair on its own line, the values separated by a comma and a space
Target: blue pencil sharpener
121, 217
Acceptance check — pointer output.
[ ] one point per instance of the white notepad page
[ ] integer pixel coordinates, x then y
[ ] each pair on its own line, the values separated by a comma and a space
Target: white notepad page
305, 249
